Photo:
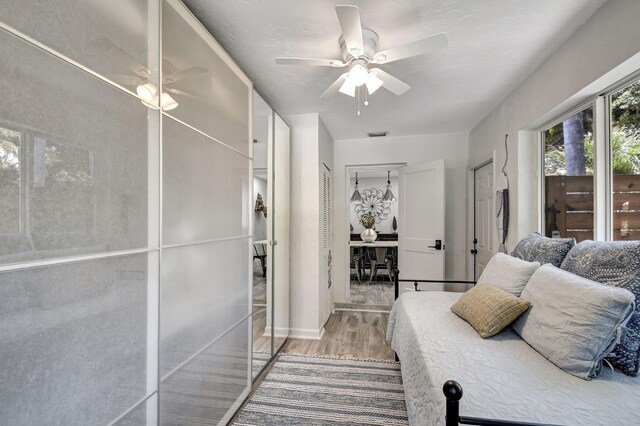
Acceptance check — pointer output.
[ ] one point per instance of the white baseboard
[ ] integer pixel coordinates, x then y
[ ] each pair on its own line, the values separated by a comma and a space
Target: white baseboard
306, 333
278, 332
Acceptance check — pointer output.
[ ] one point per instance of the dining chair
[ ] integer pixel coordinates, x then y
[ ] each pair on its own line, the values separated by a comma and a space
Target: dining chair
356, 262
260, 253
380, 261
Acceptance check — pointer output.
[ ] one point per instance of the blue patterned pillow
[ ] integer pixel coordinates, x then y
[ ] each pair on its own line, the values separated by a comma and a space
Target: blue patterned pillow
614, 263
538, 248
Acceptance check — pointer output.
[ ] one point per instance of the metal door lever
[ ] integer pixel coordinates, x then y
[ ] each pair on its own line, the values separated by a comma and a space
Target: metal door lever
438, 245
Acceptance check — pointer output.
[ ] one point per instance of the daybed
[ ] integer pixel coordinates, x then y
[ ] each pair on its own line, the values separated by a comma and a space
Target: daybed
502, 376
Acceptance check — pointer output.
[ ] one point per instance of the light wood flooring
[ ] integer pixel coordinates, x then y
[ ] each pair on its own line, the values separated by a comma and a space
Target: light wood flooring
382, 293
348, 334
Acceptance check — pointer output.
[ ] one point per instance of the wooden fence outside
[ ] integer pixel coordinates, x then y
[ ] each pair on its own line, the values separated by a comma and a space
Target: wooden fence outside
569, 206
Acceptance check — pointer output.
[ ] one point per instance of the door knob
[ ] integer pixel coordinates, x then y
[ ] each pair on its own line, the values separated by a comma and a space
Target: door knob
438, 245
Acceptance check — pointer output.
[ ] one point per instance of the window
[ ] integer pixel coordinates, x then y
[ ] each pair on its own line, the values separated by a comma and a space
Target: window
10, 181
568, 177
578, 165
624, 136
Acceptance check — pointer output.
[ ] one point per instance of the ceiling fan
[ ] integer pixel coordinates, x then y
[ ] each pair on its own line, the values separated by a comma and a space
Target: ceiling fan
138, 75
358, 46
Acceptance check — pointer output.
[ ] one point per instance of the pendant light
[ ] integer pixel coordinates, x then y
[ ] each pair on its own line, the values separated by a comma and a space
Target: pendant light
388, 195
356, 197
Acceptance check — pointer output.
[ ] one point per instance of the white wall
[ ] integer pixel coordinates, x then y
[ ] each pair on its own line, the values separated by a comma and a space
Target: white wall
311, 145
602, 51
259, 221
379, 183
406, 149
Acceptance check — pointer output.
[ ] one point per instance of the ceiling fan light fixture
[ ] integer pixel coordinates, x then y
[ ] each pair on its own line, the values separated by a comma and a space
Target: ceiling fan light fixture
167, 103
356, 197
348, 88
147, 91
380, 58
388, 195
358, 75
373, 82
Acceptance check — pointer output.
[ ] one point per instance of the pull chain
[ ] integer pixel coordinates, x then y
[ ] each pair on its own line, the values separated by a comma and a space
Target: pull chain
358, 101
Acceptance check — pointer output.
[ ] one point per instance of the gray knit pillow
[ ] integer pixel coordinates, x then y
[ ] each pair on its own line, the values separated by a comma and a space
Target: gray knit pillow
614, 263
538, 248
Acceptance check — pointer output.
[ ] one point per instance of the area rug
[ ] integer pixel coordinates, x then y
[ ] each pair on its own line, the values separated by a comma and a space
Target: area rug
327, 391
260, 359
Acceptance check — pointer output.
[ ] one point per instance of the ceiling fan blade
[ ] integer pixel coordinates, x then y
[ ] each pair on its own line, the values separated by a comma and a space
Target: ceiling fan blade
333, 89
186, 73
189, 95
310, 61
349, 17
127, 80
119, 57
391, 83
420, 47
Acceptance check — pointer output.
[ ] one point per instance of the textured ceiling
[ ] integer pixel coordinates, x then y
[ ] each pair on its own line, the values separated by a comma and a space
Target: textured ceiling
493, 46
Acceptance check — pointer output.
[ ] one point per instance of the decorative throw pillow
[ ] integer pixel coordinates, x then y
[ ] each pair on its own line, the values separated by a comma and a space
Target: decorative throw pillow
508, 273
489, 309
614, 263
573, 322
538, 248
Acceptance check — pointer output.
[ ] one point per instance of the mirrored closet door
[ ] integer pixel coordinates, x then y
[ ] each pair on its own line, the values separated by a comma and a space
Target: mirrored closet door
270, 261
262, 259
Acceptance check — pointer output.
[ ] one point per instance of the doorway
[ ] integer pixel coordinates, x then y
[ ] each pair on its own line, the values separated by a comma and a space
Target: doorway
370, 266
483, 217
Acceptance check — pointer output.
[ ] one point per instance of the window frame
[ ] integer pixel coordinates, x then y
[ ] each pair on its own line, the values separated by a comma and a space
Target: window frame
590, 103
23, 187
602, 157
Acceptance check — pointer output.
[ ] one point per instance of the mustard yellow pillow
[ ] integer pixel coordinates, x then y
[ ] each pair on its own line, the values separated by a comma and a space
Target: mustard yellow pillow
489, 309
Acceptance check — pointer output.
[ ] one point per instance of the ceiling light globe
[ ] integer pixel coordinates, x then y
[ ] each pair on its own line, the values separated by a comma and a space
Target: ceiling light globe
373, 82
348, 88
167, 103
147, 91
358, 75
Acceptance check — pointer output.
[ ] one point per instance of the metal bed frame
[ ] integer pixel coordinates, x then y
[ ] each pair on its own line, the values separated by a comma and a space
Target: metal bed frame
453, 390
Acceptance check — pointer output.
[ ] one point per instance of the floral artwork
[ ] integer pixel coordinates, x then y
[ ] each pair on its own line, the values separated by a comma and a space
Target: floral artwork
372, 204
367, 221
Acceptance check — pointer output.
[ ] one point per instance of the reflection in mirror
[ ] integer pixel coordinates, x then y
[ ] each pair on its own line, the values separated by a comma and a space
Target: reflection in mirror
10, 177
73, 178
280, 229
205, 92
116, 39
63, 187
261, 261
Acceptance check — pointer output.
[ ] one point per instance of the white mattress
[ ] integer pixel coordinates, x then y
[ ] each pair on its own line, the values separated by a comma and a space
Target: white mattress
502, 376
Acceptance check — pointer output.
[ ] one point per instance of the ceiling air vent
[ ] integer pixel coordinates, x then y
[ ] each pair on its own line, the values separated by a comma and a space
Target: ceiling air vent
378, 134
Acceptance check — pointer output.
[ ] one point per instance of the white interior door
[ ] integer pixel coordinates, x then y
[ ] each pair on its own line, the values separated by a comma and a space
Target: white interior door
483, 216
422, 209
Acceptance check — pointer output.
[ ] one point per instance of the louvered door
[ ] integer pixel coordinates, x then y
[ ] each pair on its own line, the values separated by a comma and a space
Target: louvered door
326, 300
